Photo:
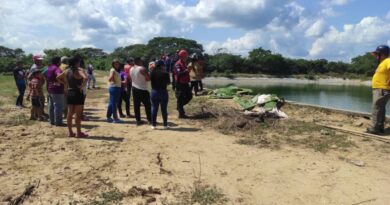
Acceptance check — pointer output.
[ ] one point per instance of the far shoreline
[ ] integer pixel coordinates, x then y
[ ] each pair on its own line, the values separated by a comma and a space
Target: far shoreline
259, 81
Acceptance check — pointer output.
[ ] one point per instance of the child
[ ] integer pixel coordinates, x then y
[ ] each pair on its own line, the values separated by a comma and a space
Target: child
35, 86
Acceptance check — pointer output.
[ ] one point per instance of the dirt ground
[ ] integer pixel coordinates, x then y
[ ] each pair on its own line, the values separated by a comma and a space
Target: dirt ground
120, 157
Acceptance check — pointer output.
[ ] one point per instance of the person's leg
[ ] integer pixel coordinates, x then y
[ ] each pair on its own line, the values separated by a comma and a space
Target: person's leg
71, 110
136, 104
110, 103
127, 102
51, 109
58, 100
378, 109
129, 89
119, 105
65, 105
179, 100
79, 111
42, 99
155, 103
200, 85
117, 93
89, 81
188, 95
173, 81
164, 107
21, 90
146, 102
93, 81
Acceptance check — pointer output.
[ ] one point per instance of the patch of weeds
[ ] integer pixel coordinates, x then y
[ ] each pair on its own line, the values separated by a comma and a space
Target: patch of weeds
18, 119
325, 143
246, 141
106, 198
203, 195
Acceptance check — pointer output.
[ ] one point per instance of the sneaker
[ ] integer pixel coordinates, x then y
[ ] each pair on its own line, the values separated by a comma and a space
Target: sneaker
110, 120
153, 127
122, 116
166, 127
138, 123
118, 121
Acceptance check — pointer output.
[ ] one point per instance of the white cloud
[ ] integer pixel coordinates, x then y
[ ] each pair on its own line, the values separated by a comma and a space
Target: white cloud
317, 29
335, 2
388, 15
352, 40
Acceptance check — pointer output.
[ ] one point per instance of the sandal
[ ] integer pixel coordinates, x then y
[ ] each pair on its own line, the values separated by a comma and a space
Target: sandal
82, 135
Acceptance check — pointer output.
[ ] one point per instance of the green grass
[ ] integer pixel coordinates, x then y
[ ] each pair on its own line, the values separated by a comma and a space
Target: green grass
8, 90
113, 196
203, 195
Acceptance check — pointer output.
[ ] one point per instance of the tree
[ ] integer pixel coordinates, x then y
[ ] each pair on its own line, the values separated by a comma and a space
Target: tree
364, 64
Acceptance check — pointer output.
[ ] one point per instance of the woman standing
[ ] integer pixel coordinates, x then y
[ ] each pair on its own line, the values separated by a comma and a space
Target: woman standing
114, 89
160, 80
75, 80
124, 94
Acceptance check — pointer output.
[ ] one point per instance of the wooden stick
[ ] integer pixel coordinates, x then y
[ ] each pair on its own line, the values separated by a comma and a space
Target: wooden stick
356, 133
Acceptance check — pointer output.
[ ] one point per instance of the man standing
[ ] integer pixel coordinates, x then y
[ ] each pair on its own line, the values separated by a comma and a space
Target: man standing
127, 68
20, 80
140, 78
56, 92
380, 89
38, 65
91, 77
183, 90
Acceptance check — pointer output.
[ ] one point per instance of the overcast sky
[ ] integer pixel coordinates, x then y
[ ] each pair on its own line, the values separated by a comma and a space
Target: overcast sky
330, 29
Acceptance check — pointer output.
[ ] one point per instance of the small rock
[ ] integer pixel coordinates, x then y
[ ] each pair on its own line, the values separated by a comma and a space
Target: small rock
63, 148
333, 146
358, 163
24, 134
324, 132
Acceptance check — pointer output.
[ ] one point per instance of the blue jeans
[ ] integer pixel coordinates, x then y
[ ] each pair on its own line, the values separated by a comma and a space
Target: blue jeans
159, 97
56, 108
115, 93
21, 89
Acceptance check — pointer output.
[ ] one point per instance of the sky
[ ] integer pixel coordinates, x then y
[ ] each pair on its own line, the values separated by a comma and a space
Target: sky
336, 30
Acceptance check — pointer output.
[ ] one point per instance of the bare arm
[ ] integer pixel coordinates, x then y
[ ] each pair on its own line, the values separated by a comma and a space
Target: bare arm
144, 73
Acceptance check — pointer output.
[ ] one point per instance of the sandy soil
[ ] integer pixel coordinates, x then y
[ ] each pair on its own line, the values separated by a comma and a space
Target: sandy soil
124, 155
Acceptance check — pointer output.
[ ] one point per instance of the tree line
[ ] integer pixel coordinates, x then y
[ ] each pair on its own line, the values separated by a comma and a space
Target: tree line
259, 60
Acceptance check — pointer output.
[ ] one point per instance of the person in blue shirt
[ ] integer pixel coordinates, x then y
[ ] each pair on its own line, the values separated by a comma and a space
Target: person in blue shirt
20, 80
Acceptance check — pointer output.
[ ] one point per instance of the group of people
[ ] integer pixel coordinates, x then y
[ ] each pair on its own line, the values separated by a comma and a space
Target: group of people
66, 83
68, 79
133, 79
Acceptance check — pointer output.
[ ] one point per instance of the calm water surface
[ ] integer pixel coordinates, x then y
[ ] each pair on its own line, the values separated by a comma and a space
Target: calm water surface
346, 97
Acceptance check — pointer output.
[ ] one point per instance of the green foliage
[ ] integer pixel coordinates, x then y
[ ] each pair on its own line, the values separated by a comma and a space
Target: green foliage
259, 60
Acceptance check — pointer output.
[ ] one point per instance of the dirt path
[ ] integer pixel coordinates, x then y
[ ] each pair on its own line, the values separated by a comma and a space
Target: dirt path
123, 155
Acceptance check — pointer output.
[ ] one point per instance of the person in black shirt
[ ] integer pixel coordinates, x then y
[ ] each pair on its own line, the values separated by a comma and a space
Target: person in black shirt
20, 80
159, 96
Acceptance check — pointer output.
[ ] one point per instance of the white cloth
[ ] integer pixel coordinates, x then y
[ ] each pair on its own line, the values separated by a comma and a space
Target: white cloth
138, 79
263, 99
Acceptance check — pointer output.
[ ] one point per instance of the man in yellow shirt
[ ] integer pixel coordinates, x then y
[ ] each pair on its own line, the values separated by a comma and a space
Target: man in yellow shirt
380, 89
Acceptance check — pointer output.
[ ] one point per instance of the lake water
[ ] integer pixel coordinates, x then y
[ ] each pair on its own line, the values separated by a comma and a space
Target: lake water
347, 97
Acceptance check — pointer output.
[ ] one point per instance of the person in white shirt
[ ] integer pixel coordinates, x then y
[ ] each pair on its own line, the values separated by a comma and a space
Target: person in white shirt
140, 78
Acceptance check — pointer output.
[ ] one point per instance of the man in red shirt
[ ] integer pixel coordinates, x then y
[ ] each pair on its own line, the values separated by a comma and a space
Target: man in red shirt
182, 77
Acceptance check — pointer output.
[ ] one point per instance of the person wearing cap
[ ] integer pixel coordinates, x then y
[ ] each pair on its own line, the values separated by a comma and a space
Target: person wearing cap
114, 89
159, 96
35, 88
20, 80
140, 78
380, 89
183, 90
38, 65
56, 92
